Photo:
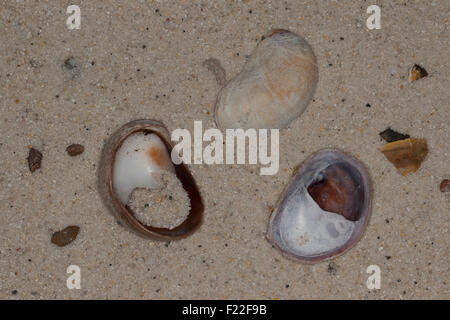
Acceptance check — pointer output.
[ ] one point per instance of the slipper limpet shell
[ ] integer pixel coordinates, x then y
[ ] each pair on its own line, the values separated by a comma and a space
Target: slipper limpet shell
324, 210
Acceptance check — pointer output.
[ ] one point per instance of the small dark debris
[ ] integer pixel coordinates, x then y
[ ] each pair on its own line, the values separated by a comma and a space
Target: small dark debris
390, 135
368, 105
388, 257
287, 286
387, 220
14, 292
34, 159
332, 268
445, 185
75, 149
65, 236
417, 72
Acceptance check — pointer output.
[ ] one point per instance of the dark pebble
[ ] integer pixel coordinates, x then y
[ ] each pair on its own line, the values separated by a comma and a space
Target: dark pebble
390, 135
75, 149
34, 159
65, 236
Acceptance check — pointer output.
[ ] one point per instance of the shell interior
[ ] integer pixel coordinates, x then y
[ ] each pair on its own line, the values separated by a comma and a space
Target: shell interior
138, 158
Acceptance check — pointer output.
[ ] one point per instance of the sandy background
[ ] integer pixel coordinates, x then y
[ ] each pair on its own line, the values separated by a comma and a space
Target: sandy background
143, 59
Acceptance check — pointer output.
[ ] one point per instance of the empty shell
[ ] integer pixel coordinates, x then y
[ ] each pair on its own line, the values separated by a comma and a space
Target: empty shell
129, 159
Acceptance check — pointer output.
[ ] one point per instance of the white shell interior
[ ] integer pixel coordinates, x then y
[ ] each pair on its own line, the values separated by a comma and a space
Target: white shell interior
140, 155
308, 230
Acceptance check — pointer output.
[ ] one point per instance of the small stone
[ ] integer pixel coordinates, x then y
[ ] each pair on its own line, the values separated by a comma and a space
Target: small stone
34, 159
390, 135
75, 149
445, 185
417, 72
65, 236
